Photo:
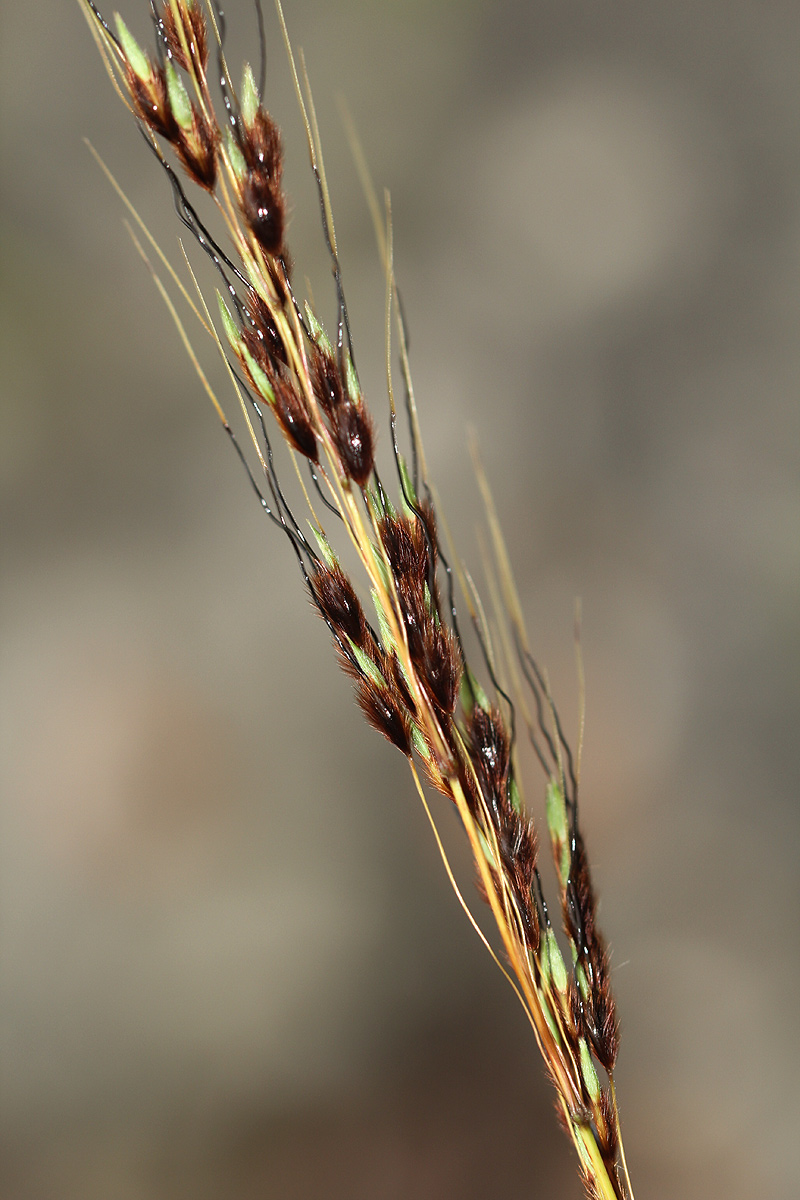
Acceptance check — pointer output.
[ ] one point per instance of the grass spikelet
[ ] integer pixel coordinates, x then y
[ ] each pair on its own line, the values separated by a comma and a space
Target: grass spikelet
444, 707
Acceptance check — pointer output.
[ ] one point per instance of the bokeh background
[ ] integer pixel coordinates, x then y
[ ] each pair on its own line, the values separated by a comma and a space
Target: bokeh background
231, 964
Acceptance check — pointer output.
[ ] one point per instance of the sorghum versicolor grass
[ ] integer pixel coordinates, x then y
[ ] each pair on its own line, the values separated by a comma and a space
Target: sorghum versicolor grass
408, 660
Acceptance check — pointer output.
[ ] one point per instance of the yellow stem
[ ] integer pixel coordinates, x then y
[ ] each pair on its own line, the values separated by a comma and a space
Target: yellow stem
592, 1157
613, 1090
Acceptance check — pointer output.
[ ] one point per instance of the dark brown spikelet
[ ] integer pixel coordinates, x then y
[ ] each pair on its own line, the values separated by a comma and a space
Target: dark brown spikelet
385, 712
262, 148
518, 852
490, 753
194, 31
381, 703
151, 103
262, 337
354, 437
198, 151
489, 748
326, 382
605, 1031
427, 514
263, 210
406, 550
410, 544
416, 617
293, 418
580, 905
440, 665
580, 910
262, 201
336, 599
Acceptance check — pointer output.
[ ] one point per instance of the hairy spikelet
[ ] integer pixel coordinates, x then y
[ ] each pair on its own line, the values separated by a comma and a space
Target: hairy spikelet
413, 676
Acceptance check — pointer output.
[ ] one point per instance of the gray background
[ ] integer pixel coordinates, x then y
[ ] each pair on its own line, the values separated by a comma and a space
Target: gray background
231, 964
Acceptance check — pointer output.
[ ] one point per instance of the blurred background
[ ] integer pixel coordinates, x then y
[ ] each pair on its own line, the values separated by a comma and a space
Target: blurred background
231, 963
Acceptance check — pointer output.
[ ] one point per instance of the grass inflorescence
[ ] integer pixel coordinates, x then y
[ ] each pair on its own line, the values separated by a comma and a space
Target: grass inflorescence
408, 662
